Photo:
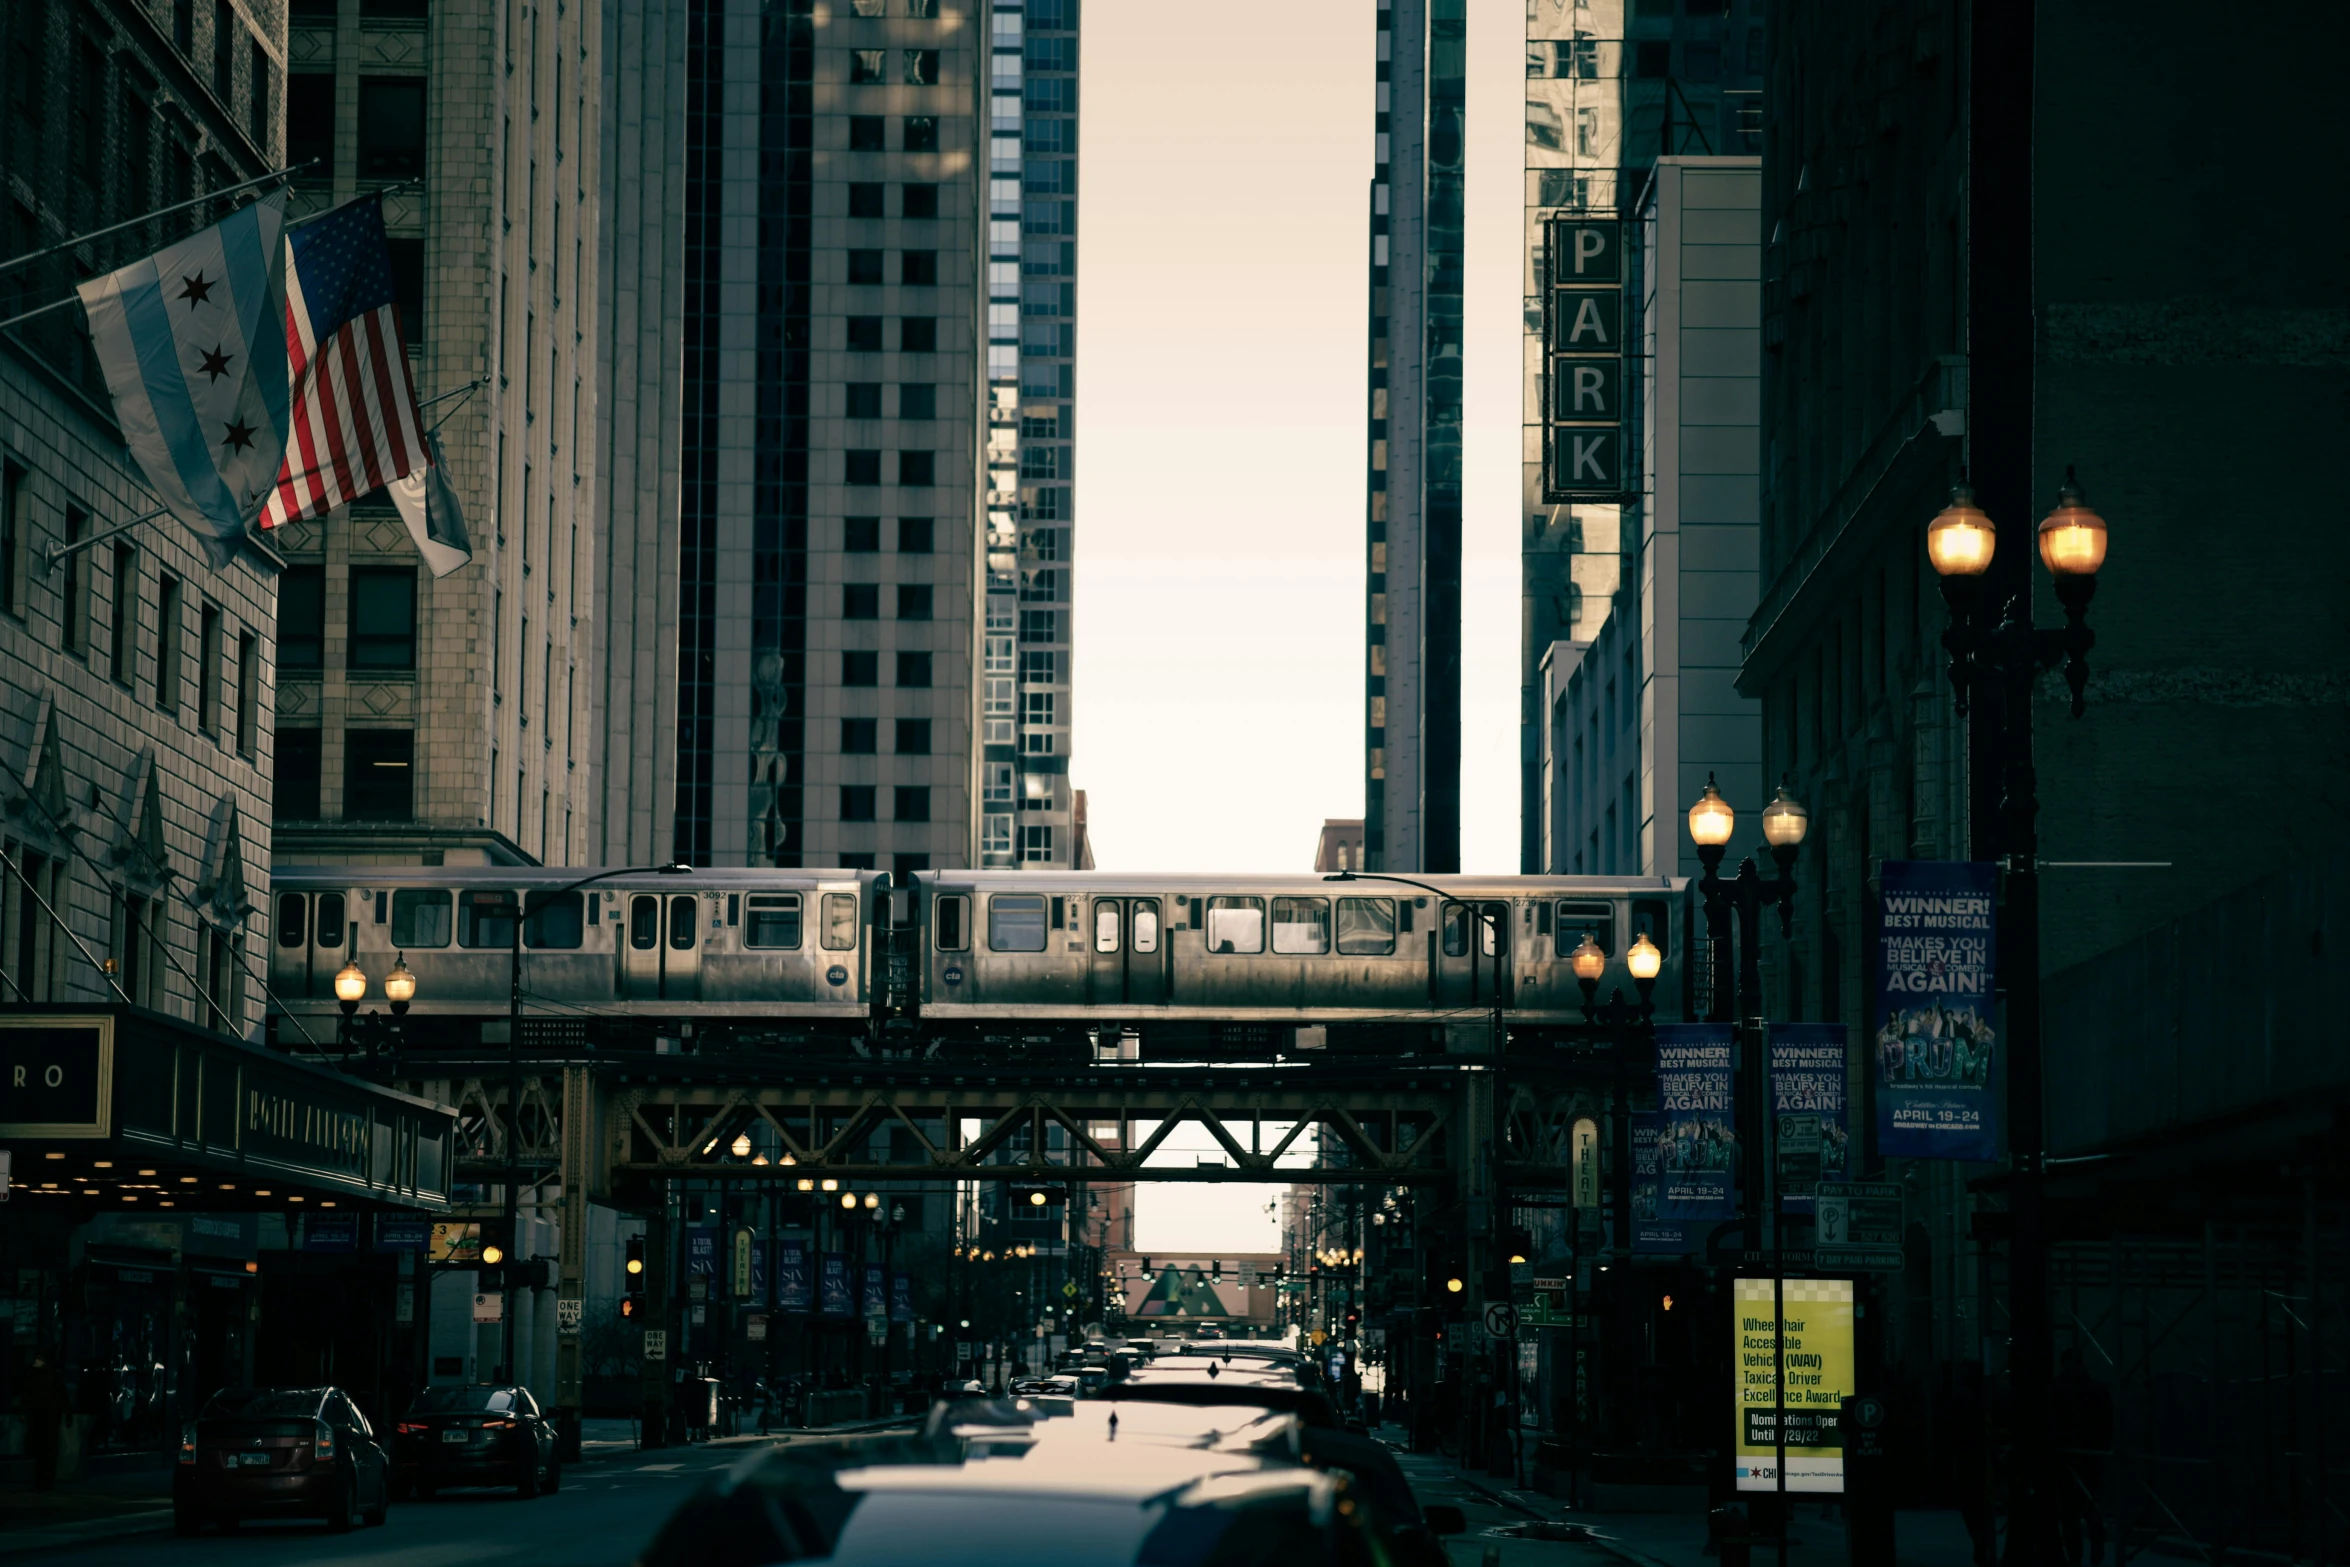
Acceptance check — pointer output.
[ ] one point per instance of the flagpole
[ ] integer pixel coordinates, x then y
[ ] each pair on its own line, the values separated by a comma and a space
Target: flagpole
57, 552
26, 260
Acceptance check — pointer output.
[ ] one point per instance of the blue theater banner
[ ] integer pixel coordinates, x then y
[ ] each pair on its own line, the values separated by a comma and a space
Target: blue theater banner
1697, 1138
1652, 1235
1935, 1046
791, 1276
833, 1285
1811, 1130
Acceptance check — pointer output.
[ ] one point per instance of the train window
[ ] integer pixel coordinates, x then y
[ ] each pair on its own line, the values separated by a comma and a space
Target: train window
329, 929
681, 921
1236, 924
1301, 926
420, 917
1015, 922
774, 921
553, 919
1105, 925
1146, 925
293, 919
952, 917
382, 911
734, 908
1403, 912
644, 923
840, 921
1599, 919
1654, 918
1057, 902
1366, 927
486, 919
1494, 927
1456, 930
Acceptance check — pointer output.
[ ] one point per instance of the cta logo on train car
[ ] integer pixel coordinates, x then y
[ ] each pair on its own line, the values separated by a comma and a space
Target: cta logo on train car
837, 975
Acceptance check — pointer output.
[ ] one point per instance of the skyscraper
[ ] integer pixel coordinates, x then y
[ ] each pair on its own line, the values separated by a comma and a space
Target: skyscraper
1611, 86
1026, 807
438, 721
1412, 668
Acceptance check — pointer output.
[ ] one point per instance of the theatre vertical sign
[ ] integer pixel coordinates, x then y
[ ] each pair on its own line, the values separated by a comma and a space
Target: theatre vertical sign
1588, 384
1935, 1046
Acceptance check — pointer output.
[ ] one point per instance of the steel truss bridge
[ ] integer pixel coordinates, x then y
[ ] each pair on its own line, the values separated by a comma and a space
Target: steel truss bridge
625, 1129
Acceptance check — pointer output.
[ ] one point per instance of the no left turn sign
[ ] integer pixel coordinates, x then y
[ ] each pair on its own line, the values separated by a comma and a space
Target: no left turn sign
1501, 1320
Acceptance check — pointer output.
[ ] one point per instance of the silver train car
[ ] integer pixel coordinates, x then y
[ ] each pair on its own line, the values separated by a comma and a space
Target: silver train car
972, 964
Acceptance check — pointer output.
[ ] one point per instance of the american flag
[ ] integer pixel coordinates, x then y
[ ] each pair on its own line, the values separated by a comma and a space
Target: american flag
354, 425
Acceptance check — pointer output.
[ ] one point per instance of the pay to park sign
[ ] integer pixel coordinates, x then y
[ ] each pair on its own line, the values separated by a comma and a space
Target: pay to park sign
1815, 1344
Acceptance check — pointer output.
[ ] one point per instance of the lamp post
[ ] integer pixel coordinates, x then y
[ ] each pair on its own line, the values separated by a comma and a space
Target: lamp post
513, 1172
1741, 900
378, 1034
2002, 662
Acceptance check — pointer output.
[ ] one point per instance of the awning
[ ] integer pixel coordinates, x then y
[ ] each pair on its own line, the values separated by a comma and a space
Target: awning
122, 1109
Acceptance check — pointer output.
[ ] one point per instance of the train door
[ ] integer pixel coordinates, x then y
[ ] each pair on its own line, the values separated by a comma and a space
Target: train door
661, 949
1128, 962
1471, 945
311, 935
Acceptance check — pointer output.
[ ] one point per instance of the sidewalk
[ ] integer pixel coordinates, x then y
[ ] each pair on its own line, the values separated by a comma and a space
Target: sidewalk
1815, 1538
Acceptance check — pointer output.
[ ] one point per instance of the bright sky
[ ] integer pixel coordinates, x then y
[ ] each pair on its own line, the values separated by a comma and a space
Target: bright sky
1222, 298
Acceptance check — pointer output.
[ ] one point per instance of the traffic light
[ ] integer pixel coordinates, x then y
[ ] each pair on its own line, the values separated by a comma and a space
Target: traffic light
627, 1306
497, 1243
633, 1270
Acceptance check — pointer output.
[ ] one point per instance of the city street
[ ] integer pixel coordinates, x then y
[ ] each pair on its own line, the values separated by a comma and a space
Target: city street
604, 1513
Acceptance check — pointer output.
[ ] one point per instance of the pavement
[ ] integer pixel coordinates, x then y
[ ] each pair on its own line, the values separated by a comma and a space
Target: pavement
119, 1510
1519, 1526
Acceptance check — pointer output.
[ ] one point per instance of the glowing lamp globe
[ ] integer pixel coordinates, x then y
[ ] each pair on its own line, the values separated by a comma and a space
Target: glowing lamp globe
1961, 540
1588, 960
1711, 818
2072, 537
1643, 959
351, 983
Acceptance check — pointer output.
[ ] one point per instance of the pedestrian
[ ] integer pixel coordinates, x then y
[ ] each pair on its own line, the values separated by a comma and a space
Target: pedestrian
45, 1402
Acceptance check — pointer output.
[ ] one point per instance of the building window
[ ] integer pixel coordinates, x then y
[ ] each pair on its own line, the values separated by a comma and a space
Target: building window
864, 266
1653, 58
913, 737
917, 400
310, 124
864, 400
860, 601
914, 535
1036, 844
1036, 710
122, 623
918, 335
918, 268
248, 690
859, 736
12, 503
914, 671
301, 618
995, 835
391, 125
856, 802
1040, 625
167, 643
996, 785
865, 132
861, 535
1000, 655
208, 669
866, 66
378, 773
918, 469
1040, 462
913, 601
910, 803
260, 84
921, 133
919, 201
861, 467
294, 779
864, 334
383, 617
922, 67
860, 669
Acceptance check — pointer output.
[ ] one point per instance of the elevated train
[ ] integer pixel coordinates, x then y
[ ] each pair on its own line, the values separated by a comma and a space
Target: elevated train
969, 964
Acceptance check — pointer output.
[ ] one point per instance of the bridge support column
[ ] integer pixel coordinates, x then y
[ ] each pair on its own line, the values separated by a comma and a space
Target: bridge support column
654, 1419
1477, 1173
571, 1255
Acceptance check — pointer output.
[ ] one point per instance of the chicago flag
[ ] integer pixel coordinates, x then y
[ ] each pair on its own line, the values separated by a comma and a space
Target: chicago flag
192, 343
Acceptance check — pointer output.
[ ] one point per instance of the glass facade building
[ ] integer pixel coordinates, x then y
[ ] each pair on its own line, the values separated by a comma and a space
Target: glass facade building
1412, 669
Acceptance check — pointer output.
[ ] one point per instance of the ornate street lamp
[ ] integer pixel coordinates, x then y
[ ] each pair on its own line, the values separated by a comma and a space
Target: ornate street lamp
2006, 660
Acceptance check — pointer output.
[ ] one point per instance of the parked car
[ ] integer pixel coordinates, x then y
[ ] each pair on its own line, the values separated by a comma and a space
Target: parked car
279, 1453
476, 1436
